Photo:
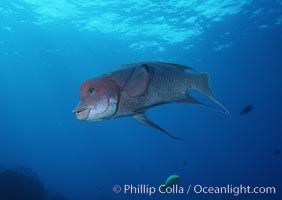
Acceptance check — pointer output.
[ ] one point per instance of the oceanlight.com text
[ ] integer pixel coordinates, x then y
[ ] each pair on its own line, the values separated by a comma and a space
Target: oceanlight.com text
150, 190
235, 190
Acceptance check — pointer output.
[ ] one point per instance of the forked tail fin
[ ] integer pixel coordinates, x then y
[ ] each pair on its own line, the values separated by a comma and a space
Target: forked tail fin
200, 83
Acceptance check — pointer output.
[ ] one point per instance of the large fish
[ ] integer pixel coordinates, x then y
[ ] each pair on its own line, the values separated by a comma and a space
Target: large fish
131, 90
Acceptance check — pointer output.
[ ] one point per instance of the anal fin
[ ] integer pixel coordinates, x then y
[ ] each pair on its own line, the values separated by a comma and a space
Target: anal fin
142, 119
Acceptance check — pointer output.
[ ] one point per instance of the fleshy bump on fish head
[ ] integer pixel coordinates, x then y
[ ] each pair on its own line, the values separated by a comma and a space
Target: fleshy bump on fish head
98, 100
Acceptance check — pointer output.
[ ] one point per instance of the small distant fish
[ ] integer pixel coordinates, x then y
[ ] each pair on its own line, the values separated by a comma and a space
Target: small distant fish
172, 180
246, 109
276, 152
132, 90
142, 166
184, 163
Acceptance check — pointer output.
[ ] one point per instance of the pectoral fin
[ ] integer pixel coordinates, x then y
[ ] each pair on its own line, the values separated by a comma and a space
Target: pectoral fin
139, 81
142, 119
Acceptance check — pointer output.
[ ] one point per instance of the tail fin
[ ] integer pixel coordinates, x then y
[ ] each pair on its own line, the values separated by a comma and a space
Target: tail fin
200, 83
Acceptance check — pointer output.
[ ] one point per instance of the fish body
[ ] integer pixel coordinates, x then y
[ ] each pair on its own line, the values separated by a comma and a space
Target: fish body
172, 180
246, 110
131, 90
276, 152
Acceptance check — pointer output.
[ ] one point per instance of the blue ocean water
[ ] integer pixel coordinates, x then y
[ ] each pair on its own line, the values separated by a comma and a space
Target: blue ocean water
49, 47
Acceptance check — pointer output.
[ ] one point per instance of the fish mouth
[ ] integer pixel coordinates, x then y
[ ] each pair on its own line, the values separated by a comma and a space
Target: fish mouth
81, 113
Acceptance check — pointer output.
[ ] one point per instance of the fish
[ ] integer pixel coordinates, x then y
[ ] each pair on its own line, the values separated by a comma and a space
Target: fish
172, 180
136, 87
246, 110
276, 152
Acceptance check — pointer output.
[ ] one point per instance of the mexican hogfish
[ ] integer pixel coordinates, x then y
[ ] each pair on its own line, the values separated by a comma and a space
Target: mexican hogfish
131, 90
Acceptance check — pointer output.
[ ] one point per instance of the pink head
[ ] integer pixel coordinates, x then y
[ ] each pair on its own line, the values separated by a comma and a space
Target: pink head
98, 99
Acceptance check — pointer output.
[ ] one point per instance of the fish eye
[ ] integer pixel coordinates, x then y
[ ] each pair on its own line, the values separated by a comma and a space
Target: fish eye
91, 91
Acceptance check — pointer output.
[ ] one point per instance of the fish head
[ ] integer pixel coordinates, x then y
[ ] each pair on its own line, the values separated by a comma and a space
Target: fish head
98, 99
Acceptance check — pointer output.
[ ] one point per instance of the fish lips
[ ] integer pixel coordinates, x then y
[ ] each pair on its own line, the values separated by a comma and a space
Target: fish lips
81, 113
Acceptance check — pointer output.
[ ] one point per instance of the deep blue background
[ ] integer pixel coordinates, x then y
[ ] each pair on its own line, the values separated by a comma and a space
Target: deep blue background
42, 67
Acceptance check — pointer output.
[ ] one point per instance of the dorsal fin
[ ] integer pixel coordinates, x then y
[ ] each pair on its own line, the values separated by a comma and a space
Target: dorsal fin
177, 66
